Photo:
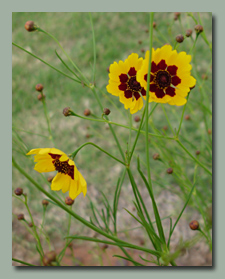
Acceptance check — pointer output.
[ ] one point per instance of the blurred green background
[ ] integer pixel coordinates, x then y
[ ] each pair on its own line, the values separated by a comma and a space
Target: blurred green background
117, 36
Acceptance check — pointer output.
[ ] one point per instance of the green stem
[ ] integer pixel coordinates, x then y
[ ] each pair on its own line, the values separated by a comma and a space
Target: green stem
91, 143
182, 116
147, 99
120, 125
168, 121
46, 63
22, 262
199, 163
74, 65
196, 38
34, 226
47, 118
94, 48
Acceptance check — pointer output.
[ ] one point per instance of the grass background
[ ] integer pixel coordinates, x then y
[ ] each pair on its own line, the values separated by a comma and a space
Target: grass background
117, 36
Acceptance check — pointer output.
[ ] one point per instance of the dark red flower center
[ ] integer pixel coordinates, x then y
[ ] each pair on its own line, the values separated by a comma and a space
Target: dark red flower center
130, 86
163, 79
133, 84
62, 167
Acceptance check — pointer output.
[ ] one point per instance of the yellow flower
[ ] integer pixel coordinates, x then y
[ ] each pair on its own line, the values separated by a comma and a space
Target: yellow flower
68, 177
170, 79
123, 83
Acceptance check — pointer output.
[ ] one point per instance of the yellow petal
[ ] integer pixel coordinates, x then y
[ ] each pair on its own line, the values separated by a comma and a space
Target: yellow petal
74, 189
44, 166
178, 101
133, 61
66, 183
34, 151
113, 89
83, 184
58, 181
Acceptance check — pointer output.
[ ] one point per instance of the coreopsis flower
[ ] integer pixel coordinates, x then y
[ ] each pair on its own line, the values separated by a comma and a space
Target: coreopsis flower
68, 177
170, 79
123, 83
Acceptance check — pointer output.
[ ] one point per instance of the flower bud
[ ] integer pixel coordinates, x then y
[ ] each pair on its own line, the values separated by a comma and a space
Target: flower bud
29, 26
48, 258
179, 38
154, 24
188, 33
50, 178
105, 246
142, 50
187, 117
209, 131
194, 225
39, 87
169, 170
156, 156
20, 217
41, 96
137, 118
106, 111
45, 203
198, 28
204, 77
87, 112
30, 224
67, 111
165, 128
18, 191
176, 16
140, 42
69, 201
197, 152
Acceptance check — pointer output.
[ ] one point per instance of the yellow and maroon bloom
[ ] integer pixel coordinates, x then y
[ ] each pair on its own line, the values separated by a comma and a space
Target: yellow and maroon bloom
123, 83
68, 177
170, 79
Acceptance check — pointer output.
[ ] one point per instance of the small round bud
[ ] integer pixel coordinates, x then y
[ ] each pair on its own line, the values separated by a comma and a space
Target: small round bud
18, 191
187, 117
198, 28
156, 156
88, 136
169, 170
29, 26
48, 258
146, 30
180, 38
106, 111
142, 242
41, 96
209, 131
105, 246
67, 111
204, 77
30, 224
165, 128
69, 201
140, 42
197, 152
39, 87
87, 112
50, 178
176, 15
137, 118
45, 203
20, 217
194, 225
154, 24
142, 50
188, 33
